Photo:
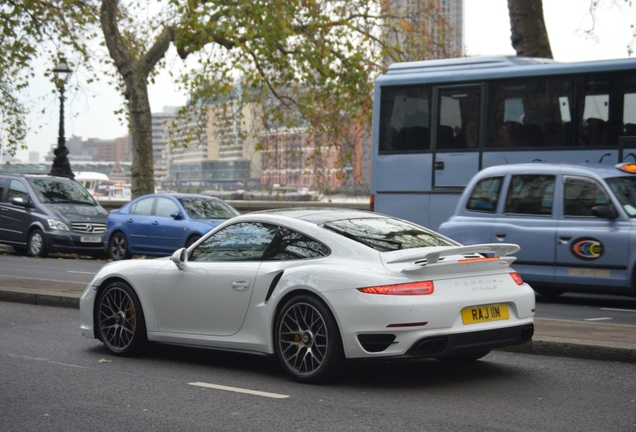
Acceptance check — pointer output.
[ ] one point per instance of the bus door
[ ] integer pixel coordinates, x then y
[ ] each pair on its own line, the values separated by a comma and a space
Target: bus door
457, 135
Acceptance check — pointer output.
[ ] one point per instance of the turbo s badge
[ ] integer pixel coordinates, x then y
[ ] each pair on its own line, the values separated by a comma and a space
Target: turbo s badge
587, 248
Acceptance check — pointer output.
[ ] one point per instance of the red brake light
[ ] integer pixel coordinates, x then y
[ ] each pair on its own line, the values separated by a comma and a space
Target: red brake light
412, 288
517, 278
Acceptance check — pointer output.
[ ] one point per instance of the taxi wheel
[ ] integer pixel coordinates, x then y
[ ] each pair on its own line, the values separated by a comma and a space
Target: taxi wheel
118, 247
36, 244
121, 325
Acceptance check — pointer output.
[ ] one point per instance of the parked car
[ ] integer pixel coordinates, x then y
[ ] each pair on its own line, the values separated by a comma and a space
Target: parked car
159, 224
313, 287
41, 214
575, 224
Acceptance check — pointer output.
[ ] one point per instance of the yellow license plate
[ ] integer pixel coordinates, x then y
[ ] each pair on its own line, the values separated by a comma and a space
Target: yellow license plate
479, 314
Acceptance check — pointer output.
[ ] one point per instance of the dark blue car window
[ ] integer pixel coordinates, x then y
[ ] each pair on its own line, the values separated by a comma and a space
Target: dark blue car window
530, 195
485, 195
581, 195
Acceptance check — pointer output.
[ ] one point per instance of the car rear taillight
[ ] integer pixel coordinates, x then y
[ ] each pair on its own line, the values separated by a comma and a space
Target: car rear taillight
411, 288
517, 278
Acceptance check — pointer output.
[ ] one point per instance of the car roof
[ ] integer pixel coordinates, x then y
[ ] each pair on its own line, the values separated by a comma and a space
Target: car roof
180, 195
600, 170
319, 215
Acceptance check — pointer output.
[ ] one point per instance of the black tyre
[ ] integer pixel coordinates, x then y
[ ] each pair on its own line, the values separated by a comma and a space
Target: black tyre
118, 247
307, 340
463, 358
36, 244
120, 320
192, 240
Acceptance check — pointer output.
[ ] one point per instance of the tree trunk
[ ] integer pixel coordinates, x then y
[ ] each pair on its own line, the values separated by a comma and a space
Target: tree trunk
529, 35
135, 73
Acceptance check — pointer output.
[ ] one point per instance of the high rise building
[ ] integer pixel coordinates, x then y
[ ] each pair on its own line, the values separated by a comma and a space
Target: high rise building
161, 121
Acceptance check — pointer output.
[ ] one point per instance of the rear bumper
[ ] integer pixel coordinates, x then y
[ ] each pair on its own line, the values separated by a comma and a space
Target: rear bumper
465, 343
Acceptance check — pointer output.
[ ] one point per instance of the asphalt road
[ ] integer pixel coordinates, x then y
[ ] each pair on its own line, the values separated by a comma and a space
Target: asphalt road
53, 379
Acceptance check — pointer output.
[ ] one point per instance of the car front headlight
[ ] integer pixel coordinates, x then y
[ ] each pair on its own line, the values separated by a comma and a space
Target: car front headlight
57, 225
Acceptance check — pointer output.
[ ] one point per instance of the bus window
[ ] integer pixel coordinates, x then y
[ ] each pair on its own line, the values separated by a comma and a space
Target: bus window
595, 112
533, 112
629, 107
458, 126
404, 119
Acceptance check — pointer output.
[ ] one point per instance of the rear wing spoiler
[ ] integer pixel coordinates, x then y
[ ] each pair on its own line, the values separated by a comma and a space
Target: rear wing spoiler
433, 257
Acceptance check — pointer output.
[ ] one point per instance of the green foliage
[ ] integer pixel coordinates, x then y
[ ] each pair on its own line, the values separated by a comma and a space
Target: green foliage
32, 30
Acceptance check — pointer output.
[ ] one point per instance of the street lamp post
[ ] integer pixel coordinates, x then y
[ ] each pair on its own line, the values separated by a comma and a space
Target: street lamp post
61, 165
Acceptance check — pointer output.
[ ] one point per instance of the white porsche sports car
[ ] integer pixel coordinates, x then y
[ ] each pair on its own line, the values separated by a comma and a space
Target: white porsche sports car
315, 287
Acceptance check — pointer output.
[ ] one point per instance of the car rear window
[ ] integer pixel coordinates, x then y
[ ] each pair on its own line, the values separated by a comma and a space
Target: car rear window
201, 208
385, 234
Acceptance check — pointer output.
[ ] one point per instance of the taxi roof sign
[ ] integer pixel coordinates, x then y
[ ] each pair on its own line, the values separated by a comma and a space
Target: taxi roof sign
627, 167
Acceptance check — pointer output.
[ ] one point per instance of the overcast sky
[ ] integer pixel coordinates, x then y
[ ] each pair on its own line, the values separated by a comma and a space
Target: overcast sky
487, 32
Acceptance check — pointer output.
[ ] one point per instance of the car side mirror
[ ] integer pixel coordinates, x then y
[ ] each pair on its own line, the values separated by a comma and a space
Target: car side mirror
180, 258
605, 211
19, 201
176, 215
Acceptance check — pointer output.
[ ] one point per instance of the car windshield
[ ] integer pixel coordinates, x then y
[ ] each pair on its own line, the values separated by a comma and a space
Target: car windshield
625, 190
203, 208
58, 191
385, 234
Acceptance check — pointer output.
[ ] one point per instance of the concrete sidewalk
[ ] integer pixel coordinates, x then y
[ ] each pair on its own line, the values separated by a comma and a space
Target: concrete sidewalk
563, 338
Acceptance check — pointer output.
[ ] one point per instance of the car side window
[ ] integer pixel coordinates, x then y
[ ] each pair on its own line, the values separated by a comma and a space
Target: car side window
485, 195
581, 195
17, 190
238, 242
143, 207
165, 206
291, 245
258, 241
530, 195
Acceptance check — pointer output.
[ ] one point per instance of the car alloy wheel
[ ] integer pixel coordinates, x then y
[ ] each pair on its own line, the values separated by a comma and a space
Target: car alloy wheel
307, 340
120, 320
37, 247
118, 247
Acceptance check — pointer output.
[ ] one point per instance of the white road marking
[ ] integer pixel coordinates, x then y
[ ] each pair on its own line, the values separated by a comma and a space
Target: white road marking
239, 390
80, 272
46, 360
619, 310
597, 319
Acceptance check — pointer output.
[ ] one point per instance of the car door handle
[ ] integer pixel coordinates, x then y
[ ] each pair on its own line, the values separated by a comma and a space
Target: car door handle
439, 165
564, 239
241, 285
500, 237
129, 220
155, 222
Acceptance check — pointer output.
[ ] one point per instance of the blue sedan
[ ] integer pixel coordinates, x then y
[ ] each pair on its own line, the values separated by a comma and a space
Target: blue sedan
159, 224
